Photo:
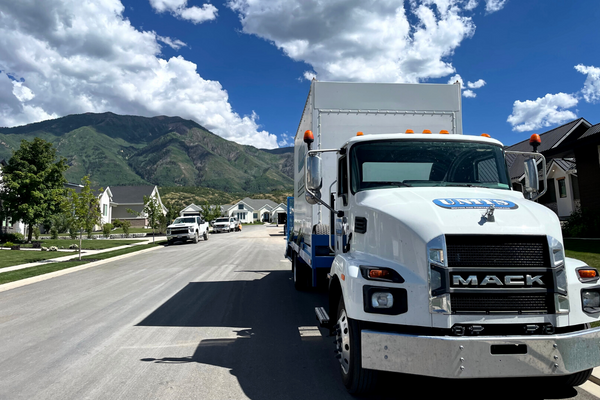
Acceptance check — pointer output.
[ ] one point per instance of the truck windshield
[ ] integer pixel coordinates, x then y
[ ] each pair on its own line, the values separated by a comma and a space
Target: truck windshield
184, 220
222, 220
401, 163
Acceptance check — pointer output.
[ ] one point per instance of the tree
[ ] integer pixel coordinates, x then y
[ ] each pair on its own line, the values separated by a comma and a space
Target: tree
33, 183
85, 209
152, 211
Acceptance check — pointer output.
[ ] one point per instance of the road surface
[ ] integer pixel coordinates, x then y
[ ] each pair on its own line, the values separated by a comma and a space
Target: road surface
214, 320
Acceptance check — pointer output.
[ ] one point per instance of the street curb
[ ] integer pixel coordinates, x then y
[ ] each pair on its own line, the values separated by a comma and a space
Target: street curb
43, 277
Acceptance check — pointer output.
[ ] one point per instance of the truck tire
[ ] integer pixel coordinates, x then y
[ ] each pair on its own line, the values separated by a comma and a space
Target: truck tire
196, 237
348, 348
569, 381
321, 229
205, 235
299, 273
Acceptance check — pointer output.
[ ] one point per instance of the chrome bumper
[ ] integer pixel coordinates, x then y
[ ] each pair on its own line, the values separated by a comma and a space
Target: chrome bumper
481, 356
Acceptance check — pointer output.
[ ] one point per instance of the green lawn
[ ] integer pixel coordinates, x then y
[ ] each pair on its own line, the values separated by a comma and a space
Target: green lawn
86, 244
16, 257
587, 251
51, 267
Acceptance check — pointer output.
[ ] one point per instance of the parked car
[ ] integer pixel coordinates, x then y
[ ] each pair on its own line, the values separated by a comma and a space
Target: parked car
187, 228
224, 224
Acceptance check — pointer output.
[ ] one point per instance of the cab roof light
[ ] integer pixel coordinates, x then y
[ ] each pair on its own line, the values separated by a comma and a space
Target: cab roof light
410, 131
308, 137
359, 133
444, 132
485, 135
535, 140
426, 131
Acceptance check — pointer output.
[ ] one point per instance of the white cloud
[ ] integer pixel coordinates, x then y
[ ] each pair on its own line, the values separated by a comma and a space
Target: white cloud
492, 6
175, 44
74, 57
476, 85
545, 111
362, 40
470, 85
179, 9
591, 87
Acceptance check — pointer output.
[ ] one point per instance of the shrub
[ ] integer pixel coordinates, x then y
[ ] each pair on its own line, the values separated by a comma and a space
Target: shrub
54, 233
125, 225
19, 237
118, 224
72, 233
106, 228
36, 232
583, 223
8, 244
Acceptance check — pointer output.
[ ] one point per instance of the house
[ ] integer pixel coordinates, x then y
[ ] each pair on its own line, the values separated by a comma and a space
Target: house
572, 153
8, 225
250, 210
126, 198
191, 211
280, 209
104, 202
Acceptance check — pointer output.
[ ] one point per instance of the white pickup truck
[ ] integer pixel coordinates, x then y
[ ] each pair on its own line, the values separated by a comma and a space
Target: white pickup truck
187, 228
225, 224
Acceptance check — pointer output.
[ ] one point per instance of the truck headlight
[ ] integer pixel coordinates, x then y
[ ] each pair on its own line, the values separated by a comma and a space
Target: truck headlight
590, 300
168, 231
382, 300
190, 229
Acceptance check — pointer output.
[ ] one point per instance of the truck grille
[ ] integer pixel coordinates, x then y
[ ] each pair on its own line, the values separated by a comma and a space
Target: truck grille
482, 251
502, 303
179, 231
482, 255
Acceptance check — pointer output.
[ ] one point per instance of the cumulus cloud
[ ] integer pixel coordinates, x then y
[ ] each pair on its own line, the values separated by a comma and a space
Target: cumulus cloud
476, 85
591, 87
180, 9
542, 112
73, 57
362, 40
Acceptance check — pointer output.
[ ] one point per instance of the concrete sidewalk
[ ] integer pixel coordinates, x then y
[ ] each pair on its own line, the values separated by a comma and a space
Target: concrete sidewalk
75, 255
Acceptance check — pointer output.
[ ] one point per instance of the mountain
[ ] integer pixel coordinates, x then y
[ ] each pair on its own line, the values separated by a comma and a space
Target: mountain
166, 151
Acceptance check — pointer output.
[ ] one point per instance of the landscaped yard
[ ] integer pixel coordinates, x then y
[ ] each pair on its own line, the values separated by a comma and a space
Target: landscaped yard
86, 244
16, 257
587, 251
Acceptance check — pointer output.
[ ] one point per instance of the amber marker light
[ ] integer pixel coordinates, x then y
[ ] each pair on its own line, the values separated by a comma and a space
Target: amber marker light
444, 132
485, 135
359, 133
379, 274
410, 131
535, 140
426, 131
308, 137
587, 273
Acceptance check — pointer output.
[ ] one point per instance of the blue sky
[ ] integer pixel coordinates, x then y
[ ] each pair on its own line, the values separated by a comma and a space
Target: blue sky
242, 67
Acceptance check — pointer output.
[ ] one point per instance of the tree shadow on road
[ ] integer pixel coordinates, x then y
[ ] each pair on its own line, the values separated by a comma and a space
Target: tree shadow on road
279, 354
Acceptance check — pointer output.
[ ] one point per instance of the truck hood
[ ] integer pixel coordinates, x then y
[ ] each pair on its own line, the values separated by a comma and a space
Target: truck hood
430, 212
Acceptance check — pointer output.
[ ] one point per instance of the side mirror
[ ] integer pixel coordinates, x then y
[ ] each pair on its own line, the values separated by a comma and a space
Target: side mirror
532, 184
314, 173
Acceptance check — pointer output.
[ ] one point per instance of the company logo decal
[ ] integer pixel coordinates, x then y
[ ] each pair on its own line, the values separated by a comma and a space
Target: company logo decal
469, 203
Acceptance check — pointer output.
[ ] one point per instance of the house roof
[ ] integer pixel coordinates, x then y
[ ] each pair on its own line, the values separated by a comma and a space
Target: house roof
131, 194
257, 204
564, 164
551, 139
592, 131
192, 207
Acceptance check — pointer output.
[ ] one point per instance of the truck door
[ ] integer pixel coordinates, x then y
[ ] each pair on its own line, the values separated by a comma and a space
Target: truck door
341, 204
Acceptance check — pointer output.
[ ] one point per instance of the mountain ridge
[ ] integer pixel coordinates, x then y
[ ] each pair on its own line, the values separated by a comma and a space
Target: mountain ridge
167, 151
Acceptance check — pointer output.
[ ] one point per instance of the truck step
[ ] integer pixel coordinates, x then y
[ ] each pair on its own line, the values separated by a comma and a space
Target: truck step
322, 317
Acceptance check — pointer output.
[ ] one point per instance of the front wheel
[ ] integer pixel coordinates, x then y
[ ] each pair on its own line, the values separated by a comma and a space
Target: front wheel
348, 348
299, 273
205, 235
196, 237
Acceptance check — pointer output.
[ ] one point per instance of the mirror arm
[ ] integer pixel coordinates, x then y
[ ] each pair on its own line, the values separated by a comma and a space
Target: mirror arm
312, 153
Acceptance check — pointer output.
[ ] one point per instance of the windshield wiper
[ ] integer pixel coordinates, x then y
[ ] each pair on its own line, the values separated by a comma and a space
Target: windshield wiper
463, 185
399, 184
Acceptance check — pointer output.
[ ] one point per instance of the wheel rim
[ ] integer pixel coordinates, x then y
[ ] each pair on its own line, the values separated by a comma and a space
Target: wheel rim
343, 341
294, 269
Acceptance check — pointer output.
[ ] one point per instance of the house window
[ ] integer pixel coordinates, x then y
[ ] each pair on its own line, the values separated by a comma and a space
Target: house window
255, 215
562, 188
105, 210
240, 207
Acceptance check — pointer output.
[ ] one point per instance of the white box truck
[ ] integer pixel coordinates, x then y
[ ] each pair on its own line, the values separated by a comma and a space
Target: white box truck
435, 265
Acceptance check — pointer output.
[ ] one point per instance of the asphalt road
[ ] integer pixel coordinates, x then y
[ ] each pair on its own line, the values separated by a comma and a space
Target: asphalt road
214, 320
